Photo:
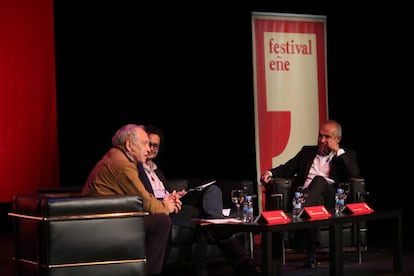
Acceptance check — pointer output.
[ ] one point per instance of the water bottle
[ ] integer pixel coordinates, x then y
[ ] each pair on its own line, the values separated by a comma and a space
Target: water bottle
297, 204
339, 201
248, 209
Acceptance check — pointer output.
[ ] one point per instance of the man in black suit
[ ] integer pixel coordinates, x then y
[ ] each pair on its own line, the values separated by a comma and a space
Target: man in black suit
207, 203
316, 169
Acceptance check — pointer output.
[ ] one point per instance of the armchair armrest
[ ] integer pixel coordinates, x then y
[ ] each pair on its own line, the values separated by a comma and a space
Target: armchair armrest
278, 194
358, 190
45, 206
102, 235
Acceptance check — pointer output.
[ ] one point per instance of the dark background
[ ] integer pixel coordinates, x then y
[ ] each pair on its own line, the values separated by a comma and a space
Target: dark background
188, 70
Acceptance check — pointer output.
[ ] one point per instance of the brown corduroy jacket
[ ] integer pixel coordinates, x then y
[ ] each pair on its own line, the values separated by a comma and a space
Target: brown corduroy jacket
115, 174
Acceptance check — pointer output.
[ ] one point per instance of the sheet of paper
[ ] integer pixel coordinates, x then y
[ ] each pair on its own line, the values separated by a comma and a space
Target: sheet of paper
226, 212
225, 220
201, 187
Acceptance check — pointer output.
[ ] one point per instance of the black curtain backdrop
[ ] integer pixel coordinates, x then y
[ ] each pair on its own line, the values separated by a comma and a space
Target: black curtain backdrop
188, 70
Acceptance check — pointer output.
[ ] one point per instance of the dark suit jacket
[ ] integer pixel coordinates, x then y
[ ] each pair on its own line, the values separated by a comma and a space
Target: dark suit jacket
144, 178
207, 203
343, 167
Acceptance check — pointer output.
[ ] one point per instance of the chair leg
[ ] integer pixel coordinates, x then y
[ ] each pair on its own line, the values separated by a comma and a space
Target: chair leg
283, 249
251, 245
358, 243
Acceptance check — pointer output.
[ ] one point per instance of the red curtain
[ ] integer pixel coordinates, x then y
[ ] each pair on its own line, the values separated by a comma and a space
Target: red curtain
28, 115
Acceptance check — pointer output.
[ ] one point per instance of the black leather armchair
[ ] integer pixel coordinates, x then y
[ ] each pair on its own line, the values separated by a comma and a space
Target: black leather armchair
57, 236
182, 243
279, 193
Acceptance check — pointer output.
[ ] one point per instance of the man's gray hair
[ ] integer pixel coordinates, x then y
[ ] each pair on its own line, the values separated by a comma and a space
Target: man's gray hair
338, 127
124, 133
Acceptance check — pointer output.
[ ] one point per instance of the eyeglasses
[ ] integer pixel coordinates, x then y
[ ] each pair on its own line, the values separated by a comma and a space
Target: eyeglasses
154, 145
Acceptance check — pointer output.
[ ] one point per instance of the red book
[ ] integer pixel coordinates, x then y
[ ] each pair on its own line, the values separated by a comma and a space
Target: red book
315, 212
273, 217
357, 208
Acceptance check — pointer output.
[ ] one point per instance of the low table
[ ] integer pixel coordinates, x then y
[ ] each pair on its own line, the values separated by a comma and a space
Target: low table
271, 262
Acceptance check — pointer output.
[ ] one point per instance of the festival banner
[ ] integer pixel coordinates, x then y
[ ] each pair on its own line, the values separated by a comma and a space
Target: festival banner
290, 85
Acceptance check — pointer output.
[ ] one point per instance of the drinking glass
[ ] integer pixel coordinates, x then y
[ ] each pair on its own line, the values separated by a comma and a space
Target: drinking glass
237, 197
347, 189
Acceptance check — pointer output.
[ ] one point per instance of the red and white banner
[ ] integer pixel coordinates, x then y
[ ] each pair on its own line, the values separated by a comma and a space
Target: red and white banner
290, 85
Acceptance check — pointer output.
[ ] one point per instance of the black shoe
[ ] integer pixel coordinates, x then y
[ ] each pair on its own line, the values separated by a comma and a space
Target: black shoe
248, 268
311, 256
311, 262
